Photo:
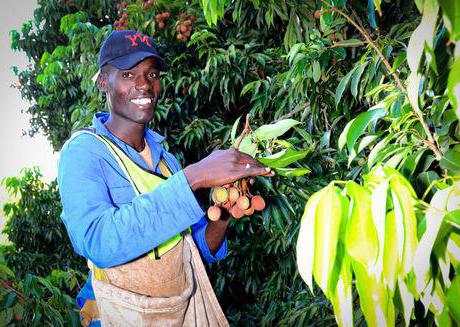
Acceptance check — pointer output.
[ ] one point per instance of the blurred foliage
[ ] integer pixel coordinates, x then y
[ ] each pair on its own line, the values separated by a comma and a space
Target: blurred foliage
275, 60
38, 245
38, 239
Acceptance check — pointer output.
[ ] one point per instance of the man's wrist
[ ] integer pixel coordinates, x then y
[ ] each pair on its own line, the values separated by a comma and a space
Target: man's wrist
192, 178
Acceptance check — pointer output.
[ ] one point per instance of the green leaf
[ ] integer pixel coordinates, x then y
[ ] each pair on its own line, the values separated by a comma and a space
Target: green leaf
452, 299
403, 201
424, 33
342, 85
306, 241
332, 207
247, 146
451, 160
268, 132
391, 262
356, 126
356, 78
375, 152
283, 158
341, 296
451, 14
434, 218
10, 300
453, 84
316, 71
234, 130
292, 172
377, 6
453, 218
375, 299
361, 238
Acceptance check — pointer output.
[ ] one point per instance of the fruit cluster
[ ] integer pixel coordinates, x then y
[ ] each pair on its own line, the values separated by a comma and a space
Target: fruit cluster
147, 4
184, 26
122, 23
161, 18
236, 199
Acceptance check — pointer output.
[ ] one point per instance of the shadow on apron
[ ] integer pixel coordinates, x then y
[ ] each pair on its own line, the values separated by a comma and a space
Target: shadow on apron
178, 288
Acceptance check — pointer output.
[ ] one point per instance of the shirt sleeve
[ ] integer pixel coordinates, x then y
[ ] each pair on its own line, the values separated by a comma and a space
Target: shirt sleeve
199, 231
109, 235
199, 235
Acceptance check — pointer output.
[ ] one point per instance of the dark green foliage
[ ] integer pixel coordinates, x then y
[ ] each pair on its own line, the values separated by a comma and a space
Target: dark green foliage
39, 301
39, 240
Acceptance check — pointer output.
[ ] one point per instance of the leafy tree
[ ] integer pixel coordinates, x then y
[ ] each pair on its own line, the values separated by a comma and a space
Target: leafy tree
39, 240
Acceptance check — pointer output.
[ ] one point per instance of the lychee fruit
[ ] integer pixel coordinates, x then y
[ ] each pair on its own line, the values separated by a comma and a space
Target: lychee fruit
243, 202
236, 212
233, 194
220, 195
214, 213
258, 203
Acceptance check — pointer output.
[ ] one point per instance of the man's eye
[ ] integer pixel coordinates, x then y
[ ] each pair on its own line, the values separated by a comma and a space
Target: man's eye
154, 75
127, 75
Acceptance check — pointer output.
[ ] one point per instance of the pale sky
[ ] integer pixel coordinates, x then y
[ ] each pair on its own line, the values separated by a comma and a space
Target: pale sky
18, 151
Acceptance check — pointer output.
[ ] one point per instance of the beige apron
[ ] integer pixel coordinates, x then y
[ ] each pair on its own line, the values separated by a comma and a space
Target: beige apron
195, 305
173, 290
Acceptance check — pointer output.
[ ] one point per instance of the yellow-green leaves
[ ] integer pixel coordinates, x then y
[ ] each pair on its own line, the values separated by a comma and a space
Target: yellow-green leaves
361, 235
424, 33
453, 86
320, 250
306, 240
370, 231
451, 15
330, 209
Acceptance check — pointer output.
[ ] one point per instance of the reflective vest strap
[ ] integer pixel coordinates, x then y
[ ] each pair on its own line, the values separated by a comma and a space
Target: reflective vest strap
125, 164
98, 273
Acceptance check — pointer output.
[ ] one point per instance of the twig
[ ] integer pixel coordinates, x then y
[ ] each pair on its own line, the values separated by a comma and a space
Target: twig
246, 130
348, 44
6, 285
431, 141
293, 112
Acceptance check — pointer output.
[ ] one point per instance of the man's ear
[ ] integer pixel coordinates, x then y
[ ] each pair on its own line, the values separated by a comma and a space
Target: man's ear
102, 82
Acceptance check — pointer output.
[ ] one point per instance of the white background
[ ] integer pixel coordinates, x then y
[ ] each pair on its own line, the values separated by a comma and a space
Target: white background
17, 151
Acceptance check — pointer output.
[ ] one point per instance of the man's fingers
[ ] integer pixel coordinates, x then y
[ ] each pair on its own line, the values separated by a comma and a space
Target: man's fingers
250, 170
246, 158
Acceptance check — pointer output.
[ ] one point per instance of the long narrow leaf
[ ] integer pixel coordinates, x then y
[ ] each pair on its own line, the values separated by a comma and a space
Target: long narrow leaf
306, 241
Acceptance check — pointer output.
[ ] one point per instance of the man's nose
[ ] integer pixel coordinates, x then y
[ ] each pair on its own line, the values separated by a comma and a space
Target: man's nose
142, 83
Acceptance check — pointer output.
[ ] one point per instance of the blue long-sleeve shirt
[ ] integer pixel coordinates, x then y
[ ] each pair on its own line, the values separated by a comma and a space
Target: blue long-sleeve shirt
106, 221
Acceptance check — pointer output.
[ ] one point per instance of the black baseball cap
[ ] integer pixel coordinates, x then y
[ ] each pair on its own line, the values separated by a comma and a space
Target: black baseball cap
125, 49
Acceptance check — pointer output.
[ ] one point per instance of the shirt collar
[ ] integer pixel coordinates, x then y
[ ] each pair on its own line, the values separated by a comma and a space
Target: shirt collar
152, 138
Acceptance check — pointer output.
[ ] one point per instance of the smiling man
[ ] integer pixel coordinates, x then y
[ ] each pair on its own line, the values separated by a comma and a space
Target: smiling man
130, 209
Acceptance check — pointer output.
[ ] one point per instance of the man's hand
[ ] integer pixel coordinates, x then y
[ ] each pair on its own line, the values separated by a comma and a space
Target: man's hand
223, 167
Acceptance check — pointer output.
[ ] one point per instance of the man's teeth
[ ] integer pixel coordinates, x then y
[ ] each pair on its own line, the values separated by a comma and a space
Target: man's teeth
141, 101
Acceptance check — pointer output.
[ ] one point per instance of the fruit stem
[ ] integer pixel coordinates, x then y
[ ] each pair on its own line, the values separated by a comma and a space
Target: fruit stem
246, 130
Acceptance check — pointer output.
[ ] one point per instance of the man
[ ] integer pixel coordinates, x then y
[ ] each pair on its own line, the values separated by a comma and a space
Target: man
118, 206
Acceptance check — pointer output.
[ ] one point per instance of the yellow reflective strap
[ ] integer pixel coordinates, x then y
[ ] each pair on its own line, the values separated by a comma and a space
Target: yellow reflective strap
98, 273
164, 169
142, 181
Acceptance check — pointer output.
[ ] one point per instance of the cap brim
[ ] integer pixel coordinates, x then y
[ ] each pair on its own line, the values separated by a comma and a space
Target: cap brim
131, 60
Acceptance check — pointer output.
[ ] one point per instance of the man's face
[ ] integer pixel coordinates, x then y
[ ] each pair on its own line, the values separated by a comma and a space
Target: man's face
133, 93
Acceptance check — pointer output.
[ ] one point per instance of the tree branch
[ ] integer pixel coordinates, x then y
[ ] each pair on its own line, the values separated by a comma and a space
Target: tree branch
246, 130
431, 141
